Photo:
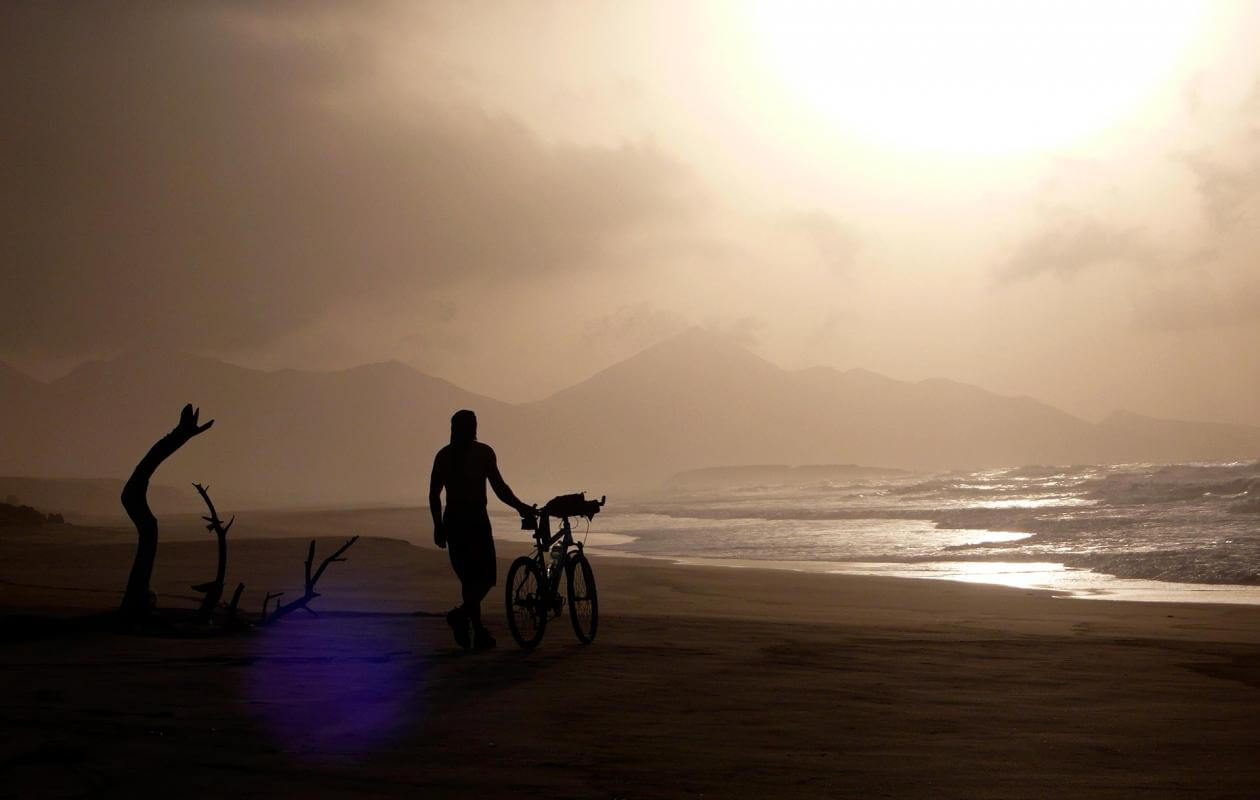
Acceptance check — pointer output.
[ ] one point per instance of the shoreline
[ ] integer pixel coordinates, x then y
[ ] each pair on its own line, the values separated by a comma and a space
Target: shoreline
1031, 575
1049, 576
395, 523
1054, 578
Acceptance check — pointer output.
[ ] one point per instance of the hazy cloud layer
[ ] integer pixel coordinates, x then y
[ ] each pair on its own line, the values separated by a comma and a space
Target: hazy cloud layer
634, 327
191, 174
1069, 245
1198, 299
1208, 279
1230, 193
837, 244
513, 196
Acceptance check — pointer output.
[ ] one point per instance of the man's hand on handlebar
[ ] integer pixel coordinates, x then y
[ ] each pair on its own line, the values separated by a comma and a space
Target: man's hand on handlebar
529, 517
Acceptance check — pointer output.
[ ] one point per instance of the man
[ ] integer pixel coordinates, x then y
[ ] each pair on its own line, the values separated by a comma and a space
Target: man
462, 469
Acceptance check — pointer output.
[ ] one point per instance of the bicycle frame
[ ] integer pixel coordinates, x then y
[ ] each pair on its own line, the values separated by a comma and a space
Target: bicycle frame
543, 542
543, 538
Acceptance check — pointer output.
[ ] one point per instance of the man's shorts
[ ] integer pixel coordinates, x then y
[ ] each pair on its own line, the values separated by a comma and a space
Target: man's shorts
470, 544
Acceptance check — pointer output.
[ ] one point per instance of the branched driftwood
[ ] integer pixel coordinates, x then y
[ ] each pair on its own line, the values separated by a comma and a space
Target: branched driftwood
267, 602
213, 589
135, 501
233, 619
311, 579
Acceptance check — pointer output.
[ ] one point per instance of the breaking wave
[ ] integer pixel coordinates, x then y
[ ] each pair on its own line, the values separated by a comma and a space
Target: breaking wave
1186, 523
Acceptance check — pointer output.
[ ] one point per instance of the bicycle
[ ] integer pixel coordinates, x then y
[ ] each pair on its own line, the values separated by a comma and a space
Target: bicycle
533, 581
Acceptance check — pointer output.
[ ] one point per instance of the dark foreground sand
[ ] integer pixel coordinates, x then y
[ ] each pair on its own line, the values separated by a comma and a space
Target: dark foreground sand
703, 682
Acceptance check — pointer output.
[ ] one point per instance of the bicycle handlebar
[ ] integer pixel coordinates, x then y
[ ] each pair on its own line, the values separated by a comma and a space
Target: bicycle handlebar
565, 506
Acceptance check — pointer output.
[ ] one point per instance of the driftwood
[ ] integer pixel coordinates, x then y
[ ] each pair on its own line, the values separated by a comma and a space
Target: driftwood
213, 590
136, 602
233, 618
311, 579
267, 602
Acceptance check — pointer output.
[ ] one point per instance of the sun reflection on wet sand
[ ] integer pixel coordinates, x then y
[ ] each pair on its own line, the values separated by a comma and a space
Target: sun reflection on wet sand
1078, 583
1034, 575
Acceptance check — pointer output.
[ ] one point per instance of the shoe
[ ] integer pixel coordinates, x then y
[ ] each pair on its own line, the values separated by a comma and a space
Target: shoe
458, 621
482, 640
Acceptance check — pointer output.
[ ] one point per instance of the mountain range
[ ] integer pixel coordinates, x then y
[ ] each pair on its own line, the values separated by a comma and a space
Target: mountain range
368, 434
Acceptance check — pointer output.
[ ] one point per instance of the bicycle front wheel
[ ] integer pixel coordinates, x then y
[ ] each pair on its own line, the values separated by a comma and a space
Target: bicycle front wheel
583, 602
526, 605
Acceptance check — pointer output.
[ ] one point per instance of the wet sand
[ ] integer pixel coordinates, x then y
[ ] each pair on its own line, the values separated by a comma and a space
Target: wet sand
703, 681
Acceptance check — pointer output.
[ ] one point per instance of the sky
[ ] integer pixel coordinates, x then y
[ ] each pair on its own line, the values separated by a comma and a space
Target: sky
1058, 200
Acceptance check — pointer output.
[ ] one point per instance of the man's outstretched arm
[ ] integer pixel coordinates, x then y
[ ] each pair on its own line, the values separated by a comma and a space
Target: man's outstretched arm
435, 503
502, 490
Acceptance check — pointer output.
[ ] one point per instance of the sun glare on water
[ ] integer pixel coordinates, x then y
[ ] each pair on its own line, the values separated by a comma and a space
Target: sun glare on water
980, 77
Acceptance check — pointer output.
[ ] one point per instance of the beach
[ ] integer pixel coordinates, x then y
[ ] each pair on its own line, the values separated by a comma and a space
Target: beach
703, 681
893, 365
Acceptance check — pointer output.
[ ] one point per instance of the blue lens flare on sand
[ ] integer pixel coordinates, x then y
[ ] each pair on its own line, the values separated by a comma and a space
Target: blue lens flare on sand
333, 685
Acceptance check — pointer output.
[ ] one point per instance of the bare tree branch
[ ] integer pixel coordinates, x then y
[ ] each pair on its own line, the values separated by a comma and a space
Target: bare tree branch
309, 593
213, 589
310, 557
267, 601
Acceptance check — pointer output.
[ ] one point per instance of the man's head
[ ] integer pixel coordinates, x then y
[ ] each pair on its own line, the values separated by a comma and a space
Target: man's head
463, 427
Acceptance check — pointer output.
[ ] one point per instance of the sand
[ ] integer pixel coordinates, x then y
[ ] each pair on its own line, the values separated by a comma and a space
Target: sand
703, 681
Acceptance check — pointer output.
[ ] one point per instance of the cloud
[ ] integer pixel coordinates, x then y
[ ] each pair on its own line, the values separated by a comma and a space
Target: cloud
1209, 277
1197, 299
1228, 180
1070, 244
206, 176
1218, 285
1215, 286
836, 243
1251, 103
746, 330
633, 327
1230, 194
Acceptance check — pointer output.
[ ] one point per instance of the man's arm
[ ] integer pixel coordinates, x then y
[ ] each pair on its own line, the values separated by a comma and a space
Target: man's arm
501, 489
435, 501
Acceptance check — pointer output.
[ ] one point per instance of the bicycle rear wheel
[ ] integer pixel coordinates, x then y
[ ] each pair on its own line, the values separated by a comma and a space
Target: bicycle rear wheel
526, 607
583, 601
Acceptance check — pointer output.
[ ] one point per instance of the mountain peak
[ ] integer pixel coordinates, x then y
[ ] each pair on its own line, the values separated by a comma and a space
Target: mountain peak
15, 382
9, 371
1123, 415
699, 348
151, 354
697, 337
152, 361
869, 376
695, 354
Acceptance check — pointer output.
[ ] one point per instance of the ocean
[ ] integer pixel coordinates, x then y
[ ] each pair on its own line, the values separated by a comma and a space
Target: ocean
1125, 531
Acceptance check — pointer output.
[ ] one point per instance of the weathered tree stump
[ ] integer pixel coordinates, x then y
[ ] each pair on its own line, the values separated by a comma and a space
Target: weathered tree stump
136, 603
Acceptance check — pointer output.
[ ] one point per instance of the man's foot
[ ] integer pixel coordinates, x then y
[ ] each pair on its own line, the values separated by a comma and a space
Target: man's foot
482, 640
458, 621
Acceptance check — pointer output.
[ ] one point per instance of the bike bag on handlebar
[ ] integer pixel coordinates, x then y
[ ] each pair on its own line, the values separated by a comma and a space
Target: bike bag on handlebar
571, 505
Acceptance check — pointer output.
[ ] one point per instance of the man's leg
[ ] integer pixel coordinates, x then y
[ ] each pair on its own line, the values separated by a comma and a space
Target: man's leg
475, 566
481, 577
457, 617
474, 592
458, 621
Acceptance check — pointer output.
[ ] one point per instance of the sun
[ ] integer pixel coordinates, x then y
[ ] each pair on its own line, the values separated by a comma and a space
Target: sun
980, 77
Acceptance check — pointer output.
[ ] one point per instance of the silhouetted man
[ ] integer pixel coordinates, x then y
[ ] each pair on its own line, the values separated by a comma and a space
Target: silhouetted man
462, 469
